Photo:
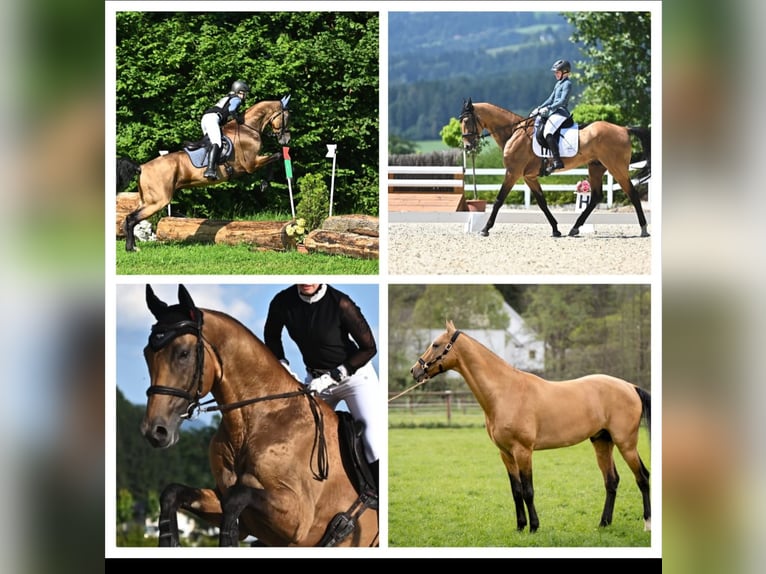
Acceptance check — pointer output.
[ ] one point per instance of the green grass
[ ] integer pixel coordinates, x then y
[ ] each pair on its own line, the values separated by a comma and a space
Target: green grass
155, 258
449, 488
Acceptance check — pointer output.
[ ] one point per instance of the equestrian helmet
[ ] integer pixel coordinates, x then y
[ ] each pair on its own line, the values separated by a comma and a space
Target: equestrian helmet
561, 66
240, 86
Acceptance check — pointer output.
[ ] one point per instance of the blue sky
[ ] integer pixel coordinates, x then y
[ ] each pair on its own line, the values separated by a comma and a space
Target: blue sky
248, 303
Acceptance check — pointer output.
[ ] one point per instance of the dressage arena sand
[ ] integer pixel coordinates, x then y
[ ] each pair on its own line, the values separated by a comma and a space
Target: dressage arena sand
517, 249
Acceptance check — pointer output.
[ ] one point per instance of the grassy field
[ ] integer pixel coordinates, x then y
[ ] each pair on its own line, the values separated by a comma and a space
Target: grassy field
156, 258
449, 488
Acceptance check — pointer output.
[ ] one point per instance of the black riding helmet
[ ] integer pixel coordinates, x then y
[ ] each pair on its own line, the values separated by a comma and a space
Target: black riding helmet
561, 66
240, 86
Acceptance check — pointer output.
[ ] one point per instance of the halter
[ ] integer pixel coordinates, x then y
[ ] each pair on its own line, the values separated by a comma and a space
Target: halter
447, 349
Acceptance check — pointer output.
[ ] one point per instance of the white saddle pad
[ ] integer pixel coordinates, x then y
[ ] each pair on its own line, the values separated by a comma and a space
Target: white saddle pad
568, 143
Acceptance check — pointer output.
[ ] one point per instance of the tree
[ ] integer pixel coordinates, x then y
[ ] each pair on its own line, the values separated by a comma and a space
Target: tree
554, 312
469, 306
617, 66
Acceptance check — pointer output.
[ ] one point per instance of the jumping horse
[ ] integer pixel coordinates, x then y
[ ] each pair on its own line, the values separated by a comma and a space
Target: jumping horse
525, 413
603, 146
282, 472
160, 177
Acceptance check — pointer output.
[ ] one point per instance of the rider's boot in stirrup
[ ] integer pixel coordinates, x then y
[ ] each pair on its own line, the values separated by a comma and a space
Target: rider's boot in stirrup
212, 165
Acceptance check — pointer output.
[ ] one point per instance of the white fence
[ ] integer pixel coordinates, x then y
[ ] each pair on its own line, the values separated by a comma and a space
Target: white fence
467, 184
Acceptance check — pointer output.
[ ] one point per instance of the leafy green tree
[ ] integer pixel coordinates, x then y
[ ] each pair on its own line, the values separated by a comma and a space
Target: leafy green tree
617, 65
469, 306
554, 312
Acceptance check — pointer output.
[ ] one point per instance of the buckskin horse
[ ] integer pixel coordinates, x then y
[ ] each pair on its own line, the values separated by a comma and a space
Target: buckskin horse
601, 145
525, 413
282, 472
160, 177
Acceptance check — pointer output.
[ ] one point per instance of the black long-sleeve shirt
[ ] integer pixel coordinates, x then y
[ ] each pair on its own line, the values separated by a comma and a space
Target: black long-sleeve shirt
328, 332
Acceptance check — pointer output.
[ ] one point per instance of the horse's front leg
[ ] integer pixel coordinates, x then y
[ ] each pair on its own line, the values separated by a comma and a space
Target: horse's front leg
516, 490
523, 458
505, 189
175, 497
543, 205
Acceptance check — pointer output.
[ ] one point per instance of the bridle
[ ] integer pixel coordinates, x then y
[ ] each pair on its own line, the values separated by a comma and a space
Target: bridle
160, 336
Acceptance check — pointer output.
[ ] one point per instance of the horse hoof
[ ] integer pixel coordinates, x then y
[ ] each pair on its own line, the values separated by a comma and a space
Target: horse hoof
556, 233
574, 232
484, 233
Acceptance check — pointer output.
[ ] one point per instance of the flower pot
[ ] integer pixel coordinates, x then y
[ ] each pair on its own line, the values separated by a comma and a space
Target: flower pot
300, 248
476, 204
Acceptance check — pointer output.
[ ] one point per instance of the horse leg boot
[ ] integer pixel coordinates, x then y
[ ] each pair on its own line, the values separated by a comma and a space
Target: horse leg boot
553, 144
212, 165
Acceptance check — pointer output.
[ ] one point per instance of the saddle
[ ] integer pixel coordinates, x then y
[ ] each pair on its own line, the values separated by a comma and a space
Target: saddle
355, 463
199, 151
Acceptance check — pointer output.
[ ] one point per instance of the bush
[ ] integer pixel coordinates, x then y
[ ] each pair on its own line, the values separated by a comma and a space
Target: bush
314, 204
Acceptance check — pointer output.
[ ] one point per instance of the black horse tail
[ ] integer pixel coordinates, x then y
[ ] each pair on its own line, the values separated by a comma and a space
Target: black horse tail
644, 136
646, 407
127, 170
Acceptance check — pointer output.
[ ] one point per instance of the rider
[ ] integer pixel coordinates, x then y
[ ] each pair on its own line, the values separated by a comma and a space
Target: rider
555, 109
337, 345
215, 116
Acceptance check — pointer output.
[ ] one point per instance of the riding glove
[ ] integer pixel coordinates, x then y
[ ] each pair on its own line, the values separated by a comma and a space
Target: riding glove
321, 384
544, 112
339, 373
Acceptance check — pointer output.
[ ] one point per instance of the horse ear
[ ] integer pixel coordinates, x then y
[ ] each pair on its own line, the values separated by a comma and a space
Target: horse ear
184, 298
450, 325
156, 306
285, 100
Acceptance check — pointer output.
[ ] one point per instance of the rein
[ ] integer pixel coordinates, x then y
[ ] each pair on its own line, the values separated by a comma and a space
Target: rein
426, 366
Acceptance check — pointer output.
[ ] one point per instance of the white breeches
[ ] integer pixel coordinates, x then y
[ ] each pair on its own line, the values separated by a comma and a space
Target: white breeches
211, 128
361, 394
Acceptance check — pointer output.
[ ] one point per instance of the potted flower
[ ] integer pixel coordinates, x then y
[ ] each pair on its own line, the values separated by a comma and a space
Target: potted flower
294, 233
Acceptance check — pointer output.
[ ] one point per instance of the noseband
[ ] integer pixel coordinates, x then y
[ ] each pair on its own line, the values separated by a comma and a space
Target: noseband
159, 337
439, 357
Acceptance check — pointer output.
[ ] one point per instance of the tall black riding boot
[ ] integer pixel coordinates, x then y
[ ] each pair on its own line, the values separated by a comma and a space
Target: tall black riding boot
212, 165
553, 144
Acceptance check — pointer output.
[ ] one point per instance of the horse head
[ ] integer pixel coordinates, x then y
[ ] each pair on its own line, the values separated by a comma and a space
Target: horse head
280, 121
469, 126
174, 355
437, 359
